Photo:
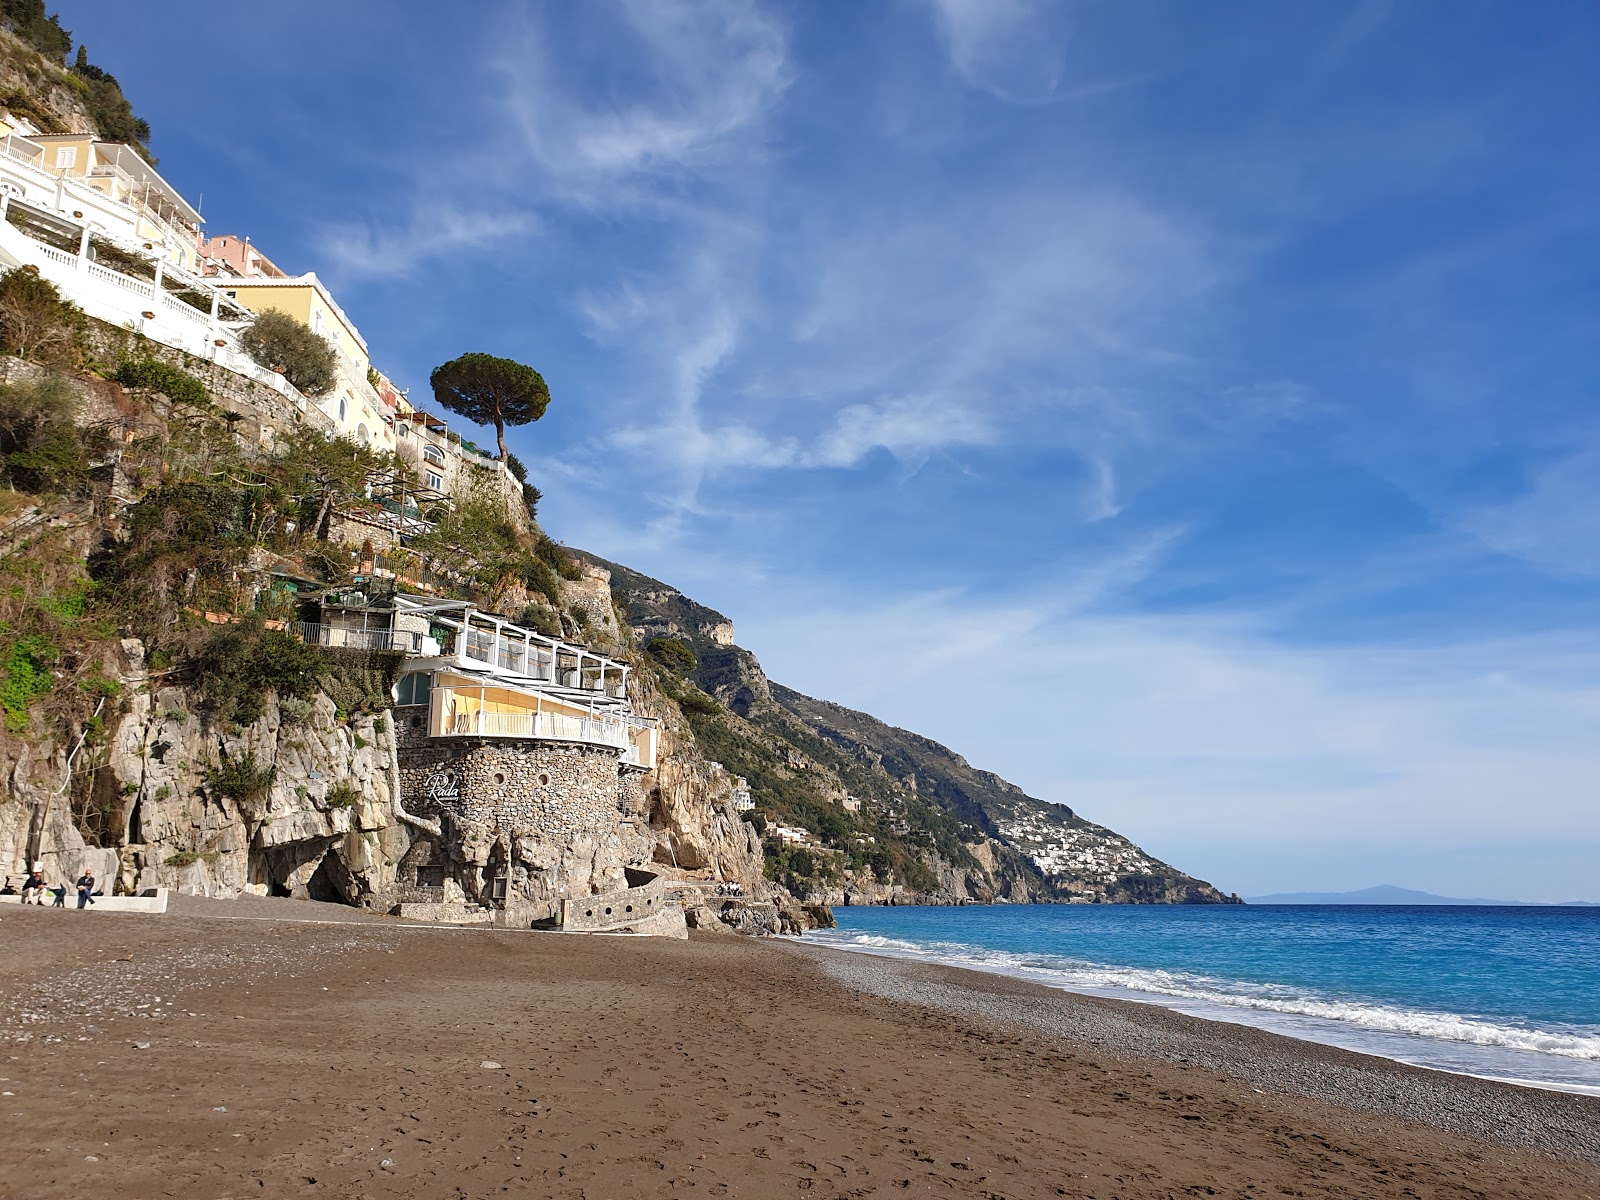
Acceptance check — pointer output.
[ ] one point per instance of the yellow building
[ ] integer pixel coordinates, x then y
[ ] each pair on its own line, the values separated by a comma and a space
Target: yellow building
307, 300
353, 403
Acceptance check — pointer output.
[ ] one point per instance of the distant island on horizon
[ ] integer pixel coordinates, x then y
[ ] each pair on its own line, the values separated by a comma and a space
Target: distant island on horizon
1388, 893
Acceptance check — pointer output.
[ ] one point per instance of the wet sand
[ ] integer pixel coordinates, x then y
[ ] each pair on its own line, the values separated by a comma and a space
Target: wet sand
197, 1056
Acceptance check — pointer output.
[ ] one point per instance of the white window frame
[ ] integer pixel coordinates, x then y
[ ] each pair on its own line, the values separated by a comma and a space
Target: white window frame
433, 454
66, 158
435, 481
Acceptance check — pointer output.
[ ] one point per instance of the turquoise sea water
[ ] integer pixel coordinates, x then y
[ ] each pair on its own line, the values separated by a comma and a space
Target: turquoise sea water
1508, 993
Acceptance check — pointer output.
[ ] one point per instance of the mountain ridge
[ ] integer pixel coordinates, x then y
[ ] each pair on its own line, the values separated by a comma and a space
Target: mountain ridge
891, 815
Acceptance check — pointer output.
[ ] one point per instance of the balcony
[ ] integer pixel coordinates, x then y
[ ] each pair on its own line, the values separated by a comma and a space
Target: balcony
497, 713
339, 636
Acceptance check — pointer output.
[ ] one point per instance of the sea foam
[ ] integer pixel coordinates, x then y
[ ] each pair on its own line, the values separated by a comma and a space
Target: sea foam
1208, 992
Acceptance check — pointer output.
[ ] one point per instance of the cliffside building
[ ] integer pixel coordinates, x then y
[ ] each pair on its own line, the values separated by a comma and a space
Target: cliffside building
519, 758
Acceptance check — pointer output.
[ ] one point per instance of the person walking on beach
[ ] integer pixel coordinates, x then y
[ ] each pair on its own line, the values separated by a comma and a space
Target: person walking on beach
33, 886
86, 889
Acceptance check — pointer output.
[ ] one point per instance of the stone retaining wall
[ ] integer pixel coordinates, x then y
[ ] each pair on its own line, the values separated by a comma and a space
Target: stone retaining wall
559, 789
650, 906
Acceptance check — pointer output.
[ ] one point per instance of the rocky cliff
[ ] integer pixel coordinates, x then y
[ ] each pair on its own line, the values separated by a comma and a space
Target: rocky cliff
160, 730
856, 811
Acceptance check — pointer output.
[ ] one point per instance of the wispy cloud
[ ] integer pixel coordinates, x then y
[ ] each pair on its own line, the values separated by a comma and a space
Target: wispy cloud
1556, 524
1012, 49
1172, 727
436, 230
700, 73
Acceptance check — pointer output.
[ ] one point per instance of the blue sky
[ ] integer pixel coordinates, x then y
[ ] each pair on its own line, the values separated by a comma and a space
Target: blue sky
1187, 411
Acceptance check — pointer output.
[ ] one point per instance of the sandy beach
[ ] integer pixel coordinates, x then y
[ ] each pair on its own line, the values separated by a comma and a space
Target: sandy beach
198, 1055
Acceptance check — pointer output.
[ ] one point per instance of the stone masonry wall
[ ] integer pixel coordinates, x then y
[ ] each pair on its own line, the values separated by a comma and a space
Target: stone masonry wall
555, 788
263, 409
541, 820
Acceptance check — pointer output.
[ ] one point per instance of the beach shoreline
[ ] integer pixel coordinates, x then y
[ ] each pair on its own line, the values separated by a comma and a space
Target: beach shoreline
1362, 1041
188, 1056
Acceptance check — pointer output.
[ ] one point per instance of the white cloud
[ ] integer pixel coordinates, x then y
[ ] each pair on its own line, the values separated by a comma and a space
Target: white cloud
703, 72
435, 231
909, 427
1173, 728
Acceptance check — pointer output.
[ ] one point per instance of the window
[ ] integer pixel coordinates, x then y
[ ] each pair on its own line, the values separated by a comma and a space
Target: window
433, 454
341, 410
362, 435
435, 481
66, 157
316, 320
403, 429
414, 688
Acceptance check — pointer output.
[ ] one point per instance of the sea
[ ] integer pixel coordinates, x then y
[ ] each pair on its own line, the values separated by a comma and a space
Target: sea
1497, 992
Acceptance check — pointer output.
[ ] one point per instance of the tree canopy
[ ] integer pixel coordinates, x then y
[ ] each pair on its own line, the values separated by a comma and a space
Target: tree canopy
280, 343
323, 472
491, 391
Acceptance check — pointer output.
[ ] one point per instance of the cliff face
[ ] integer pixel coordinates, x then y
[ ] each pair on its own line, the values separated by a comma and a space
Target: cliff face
146, 767
859, 812
300, 801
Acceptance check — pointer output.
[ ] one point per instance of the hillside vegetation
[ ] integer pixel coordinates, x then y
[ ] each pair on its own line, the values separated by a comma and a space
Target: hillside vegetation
37, 83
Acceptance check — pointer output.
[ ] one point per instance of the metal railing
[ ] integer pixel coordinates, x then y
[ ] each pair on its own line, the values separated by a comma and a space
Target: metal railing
541, 726
315, 634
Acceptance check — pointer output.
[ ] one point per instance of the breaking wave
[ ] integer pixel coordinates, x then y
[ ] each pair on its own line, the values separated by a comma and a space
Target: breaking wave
1238, 997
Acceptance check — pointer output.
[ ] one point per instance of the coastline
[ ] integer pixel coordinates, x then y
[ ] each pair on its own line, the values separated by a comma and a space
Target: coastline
1555, 1121
1475, 1059
188, 1056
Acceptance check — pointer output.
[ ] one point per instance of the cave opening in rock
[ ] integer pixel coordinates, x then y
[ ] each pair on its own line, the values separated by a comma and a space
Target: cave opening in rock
321, 885
136, 823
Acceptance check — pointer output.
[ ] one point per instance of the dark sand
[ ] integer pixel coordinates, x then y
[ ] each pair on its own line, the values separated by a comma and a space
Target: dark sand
345, 1060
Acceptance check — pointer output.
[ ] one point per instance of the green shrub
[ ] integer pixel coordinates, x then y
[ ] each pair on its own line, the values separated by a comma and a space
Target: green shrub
296, 709
538, 577
36, 322
280, 343
27, 677
692, 700
99, 685
42, 449
242, 779
557, 559
343, 795
183, 858
672, 654
178, 386
541, 617
239, 663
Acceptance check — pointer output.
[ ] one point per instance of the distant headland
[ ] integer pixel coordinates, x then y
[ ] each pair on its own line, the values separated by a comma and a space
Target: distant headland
1388, 893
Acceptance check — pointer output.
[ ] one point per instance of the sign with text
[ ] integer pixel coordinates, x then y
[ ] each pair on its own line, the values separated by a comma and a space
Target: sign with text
442, 787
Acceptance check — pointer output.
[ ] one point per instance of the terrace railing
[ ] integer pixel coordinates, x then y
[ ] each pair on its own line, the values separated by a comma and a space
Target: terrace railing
541, 726
358, 639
